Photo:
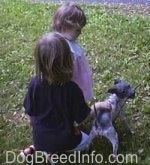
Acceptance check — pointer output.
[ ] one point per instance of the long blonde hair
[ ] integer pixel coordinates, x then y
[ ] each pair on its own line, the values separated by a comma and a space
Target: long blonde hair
53, 59
67, 16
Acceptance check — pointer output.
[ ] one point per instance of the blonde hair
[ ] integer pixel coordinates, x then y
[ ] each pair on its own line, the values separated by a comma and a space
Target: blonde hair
53, 59
68, 16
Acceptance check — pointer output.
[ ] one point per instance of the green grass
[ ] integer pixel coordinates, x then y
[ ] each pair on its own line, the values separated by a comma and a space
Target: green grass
118, 46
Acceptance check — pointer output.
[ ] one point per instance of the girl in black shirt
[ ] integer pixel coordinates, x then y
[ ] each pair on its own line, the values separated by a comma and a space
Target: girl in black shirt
53, 102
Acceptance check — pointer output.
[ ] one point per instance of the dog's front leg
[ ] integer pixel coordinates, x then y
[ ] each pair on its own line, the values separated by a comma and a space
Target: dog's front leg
124, 121
125, 124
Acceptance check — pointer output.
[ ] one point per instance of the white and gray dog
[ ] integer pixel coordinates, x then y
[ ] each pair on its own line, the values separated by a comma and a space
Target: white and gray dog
103, 123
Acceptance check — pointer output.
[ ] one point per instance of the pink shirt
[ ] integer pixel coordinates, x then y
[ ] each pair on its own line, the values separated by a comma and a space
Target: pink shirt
82, 72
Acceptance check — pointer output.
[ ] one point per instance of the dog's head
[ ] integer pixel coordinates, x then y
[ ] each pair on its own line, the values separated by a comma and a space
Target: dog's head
122, 89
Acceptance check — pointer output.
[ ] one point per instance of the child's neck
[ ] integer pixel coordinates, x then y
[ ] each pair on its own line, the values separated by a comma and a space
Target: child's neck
68, 36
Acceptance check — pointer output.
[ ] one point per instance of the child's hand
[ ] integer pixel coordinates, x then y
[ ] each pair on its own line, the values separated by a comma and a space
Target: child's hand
30, 120
103, 105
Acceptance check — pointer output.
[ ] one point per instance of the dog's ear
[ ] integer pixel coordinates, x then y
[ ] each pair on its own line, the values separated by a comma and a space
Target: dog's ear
116, 81
112, 90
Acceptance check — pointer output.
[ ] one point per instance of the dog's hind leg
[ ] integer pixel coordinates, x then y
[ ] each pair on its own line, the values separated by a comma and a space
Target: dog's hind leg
112, 136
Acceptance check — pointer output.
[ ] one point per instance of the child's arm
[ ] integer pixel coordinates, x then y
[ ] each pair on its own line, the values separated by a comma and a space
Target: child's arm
30, 120
100, 106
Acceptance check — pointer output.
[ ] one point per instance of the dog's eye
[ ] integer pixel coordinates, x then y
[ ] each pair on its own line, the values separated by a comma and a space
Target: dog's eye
123, 91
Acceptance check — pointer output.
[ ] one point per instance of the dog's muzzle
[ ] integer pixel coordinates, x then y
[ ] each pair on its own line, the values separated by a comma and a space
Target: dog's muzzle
132, 94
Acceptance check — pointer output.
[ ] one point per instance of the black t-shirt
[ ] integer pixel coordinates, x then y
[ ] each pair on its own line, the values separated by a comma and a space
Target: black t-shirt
54, 109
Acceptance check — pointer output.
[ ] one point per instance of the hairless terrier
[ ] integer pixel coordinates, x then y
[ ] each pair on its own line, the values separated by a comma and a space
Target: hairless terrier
103, 123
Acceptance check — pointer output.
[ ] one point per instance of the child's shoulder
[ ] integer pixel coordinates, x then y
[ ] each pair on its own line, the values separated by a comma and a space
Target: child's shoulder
74, 86
35, 79
76, 48
74, 45
35, 82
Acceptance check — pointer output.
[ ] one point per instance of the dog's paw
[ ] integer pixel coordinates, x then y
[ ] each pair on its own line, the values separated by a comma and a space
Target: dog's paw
129, 132
132, 132
114, 156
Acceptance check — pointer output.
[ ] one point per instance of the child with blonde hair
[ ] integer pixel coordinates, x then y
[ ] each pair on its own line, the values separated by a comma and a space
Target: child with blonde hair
69, 20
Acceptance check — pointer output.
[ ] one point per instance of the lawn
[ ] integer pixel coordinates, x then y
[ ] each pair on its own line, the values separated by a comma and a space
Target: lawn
117, 45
